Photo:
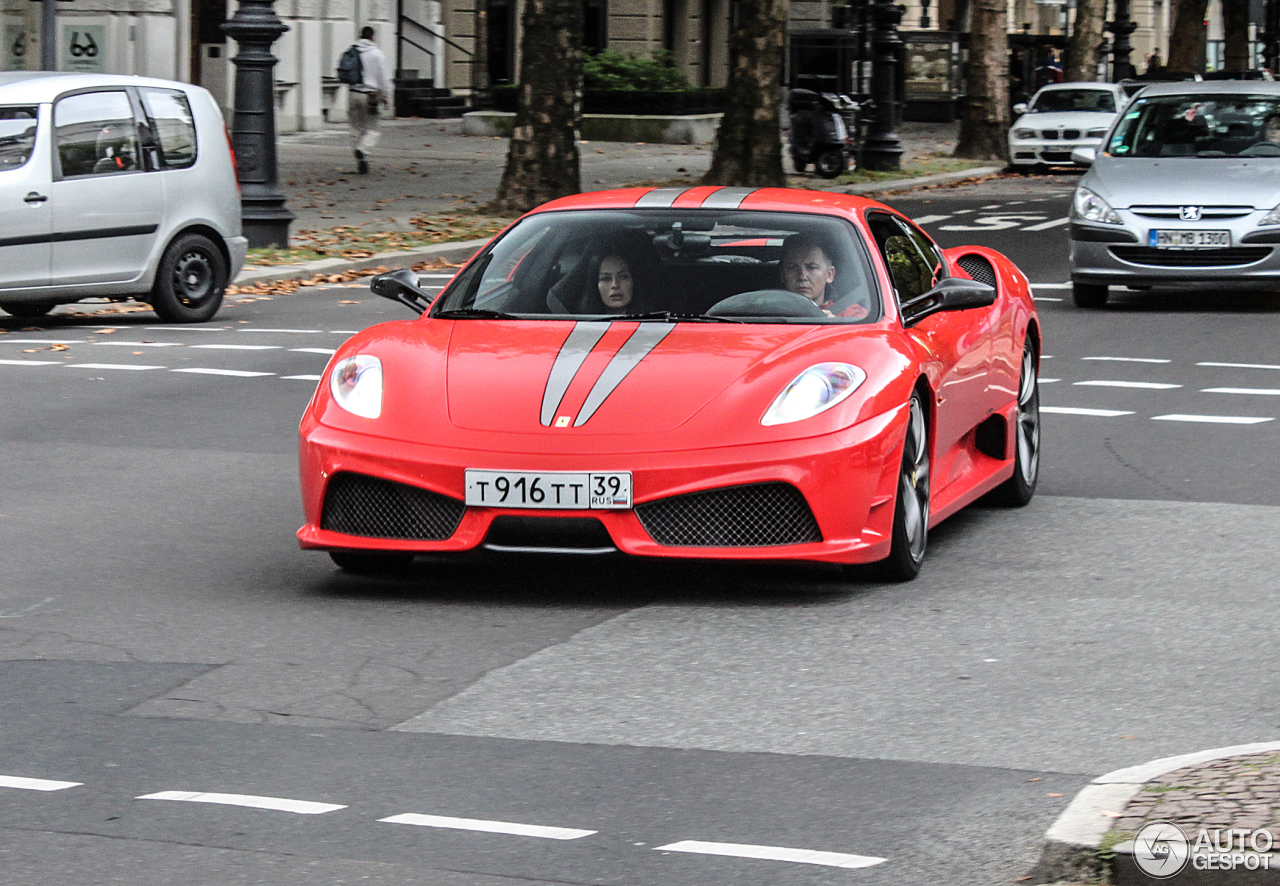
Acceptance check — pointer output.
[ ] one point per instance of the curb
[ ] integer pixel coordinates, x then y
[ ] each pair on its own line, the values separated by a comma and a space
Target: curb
925, 181
401, 258
1071, 844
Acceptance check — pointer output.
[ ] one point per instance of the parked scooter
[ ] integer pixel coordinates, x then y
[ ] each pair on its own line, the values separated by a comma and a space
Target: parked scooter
824, 130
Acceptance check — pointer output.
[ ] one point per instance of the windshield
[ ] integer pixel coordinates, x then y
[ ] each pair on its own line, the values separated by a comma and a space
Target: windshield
669, 265
1053, 101
1199, 126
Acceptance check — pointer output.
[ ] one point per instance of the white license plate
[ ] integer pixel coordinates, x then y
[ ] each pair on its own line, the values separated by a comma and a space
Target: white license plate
574, 491
1183, 239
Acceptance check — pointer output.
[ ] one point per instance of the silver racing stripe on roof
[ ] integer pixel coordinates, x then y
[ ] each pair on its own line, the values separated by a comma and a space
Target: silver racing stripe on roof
569, 360
636, 348
727, 198
659, 198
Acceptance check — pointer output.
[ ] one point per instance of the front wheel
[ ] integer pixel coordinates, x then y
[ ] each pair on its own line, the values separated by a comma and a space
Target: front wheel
830, 163
190, 280
27, 310
1018, 489
1089, 295
911, 510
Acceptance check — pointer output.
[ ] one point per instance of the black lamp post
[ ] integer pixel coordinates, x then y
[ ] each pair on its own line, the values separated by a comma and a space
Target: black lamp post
883, 149
253, 132
1122, 27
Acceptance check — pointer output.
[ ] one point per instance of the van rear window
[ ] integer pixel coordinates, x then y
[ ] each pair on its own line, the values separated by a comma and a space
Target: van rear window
170, 117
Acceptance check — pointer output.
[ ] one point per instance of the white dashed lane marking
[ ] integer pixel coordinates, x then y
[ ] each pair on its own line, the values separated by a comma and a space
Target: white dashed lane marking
773, 853
286, 331
1044, 226
489, 827
222, 347
129, 366
1241, 365
141, 344
35, 784
27, 362
1265, 392
1214, 419
1146, 385
236, 373
313, 350
278, 804
1128, 359
301, 377
1076, 410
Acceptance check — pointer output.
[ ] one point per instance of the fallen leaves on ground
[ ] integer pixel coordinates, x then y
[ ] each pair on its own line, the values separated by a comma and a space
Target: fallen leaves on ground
255, 291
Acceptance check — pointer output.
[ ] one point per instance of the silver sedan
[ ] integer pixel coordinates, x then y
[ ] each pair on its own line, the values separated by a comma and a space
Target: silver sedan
1185, 192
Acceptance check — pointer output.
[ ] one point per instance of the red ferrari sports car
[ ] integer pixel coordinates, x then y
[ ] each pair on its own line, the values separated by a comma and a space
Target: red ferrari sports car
720, 373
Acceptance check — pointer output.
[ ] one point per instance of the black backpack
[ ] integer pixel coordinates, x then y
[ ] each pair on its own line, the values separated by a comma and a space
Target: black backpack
350, 67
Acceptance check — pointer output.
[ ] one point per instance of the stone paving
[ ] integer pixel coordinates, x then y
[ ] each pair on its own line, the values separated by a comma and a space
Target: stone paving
1233, 792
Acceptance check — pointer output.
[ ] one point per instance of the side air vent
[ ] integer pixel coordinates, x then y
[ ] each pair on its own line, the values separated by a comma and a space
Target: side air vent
978, 268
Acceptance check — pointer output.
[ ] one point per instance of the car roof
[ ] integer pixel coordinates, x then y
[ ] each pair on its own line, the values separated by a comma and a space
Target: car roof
1212, 87
1078, 84
23, 87
692, 198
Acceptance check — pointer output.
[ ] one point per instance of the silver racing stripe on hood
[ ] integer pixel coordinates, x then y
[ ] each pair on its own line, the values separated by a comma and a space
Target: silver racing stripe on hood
636, 348
573, 353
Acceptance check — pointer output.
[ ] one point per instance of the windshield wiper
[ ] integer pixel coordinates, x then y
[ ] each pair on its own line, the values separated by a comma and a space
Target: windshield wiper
674, 317
475, 314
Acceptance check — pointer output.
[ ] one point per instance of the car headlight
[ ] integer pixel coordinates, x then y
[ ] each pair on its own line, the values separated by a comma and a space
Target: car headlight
356, 385
815, 390
1024, 133
1271, 218
1090, 207
1096, 133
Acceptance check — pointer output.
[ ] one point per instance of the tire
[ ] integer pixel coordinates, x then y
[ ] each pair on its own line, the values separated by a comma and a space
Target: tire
798, 164
190, 280
830, 164
911, 510
1089, 295
371, 564
28, 311
1018, 489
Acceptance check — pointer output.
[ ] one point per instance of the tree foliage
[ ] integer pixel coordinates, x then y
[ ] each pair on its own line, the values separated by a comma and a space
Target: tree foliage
542, 156
748, 148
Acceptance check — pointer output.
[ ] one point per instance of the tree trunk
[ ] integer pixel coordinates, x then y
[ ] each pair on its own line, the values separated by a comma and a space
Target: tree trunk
1235, 33
1186, 41
748, 150
984, 125
542, 157
1082, 64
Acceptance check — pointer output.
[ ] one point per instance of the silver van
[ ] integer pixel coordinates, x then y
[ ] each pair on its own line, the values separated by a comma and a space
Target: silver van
115, 186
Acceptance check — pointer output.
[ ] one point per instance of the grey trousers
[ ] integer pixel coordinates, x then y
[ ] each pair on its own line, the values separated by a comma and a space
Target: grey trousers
363, 117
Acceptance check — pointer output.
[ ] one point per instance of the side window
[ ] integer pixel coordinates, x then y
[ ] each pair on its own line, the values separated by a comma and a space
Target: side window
96, 134
175, 131
17, 136
932, 254
912, 274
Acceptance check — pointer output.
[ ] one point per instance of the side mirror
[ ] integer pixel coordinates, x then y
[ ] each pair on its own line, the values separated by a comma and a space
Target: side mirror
401, 286
1020, 108
951, 294
1084, 156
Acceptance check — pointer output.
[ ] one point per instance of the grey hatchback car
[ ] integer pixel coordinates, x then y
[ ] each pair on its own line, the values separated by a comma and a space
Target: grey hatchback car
117, 187
1185, 191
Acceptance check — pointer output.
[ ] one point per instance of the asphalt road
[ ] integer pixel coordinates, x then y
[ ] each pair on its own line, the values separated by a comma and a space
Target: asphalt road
166, 651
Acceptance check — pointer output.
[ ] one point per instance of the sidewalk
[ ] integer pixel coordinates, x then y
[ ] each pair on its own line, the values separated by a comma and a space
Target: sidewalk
428, 167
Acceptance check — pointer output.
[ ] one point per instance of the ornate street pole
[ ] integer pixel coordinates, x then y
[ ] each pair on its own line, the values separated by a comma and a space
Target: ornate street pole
1122, 27
253, 132
883, 149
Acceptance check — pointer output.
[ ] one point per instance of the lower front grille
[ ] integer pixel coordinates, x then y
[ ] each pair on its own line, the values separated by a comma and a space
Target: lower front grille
1190, 258
1056, 156
758, 515
356, 504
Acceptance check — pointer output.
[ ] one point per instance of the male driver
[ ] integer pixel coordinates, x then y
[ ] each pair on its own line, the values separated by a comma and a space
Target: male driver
365, 99
807, 270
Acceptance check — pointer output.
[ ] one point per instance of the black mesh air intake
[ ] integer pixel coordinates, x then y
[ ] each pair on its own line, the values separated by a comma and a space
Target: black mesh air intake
355, 504
759, 515
978, 268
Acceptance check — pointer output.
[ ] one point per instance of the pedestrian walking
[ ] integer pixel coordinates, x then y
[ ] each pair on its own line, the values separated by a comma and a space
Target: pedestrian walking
369, 90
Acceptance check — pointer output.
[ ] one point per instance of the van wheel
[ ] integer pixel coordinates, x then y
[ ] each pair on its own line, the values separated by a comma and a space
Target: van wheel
190, 281
830, 164
27, 311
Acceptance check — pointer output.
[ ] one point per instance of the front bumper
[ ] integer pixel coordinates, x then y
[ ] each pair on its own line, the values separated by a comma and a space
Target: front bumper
1097, 256
1045, 152
848, 480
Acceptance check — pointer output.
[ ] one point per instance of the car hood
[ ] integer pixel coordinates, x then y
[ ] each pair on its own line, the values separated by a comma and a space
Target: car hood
604, 378
1185, 181
1083, 120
